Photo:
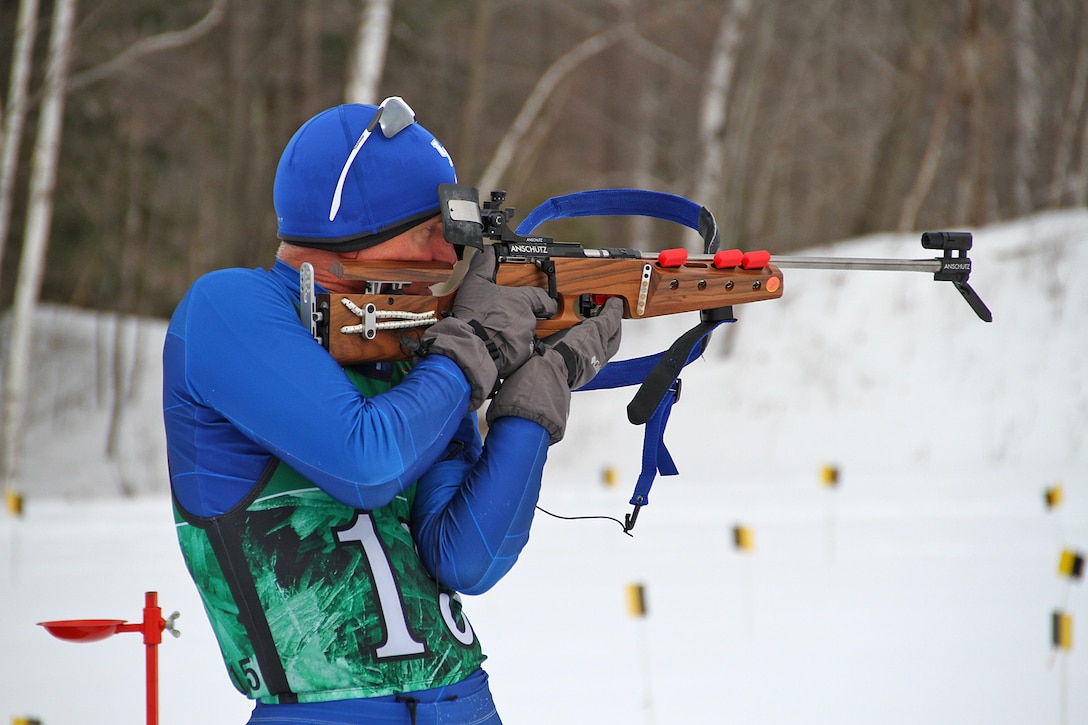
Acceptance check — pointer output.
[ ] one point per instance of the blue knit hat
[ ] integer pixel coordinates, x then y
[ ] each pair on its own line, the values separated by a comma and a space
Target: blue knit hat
342, 185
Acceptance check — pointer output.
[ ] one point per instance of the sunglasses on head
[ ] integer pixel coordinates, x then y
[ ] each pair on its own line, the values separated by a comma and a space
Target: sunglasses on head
393, 116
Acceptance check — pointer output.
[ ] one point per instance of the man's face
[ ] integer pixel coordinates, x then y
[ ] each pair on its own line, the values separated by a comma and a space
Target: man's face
421, 243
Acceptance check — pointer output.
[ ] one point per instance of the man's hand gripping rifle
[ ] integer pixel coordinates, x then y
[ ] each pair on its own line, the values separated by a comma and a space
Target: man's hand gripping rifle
384, 323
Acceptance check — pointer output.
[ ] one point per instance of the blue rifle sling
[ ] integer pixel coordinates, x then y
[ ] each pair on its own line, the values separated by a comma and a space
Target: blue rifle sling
622, 373
628, 202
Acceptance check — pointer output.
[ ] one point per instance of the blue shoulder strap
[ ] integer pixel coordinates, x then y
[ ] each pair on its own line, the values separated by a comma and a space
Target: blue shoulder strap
617, 374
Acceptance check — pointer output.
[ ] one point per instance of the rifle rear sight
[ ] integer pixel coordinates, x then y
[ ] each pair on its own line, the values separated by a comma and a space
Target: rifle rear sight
495, 216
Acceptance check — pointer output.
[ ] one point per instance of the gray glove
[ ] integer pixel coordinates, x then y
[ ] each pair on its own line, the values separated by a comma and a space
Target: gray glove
540, 389
456, 340
504, 317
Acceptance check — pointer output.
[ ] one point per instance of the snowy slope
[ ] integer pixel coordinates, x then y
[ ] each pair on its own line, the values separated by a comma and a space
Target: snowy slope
919, 590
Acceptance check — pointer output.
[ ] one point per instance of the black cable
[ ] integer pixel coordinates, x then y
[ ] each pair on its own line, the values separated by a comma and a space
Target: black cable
581, 518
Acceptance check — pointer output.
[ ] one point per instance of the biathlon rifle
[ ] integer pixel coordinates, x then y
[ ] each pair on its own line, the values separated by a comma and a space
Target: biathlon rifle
384, 324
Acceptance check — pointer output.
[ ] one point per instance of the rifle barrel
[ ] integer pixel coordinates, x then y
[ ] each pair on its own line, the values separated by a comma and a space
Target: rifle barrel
890, 265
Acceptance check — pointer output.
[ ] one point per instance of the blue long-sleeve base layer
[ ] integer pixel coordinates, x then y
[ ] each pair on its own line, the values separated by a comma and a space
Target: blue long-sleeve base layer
245, 382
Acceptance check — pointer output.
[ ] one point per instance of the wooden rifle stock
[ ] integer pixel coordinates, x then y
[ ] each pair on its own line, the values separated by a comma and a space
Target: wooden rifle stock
649, 287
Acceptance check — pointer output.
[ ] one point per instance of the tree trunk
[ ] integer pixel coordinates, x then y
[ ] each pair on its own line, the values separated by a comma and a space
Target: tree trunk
36, 236
931, 158
972, 193
709, 182
732, 213
472, 112
128, 260
1079, 182
639, 228
1060, 178
1029, 103
26, 28
368, 55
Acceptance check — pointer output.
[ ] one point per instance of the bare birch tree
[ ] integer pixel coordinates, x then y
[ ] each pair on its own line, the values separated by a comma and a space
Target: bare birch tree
646, 108
123, 375
1029, 103
36, 236
709, 180
368, 54
972, 190
475, 99
1067, 130
1079, 182
1063, 180
931, 158
26, 28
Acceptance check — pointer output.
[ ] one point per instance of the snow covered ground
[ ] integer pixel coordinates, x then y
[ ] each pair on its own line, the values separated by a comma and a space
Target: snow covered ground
918, 590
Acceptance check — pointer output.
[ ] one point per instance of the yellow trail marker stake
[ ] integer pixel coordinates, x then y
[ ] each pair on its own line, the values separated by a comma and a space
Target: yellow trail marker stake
743, 538
1061, 638
1071, 564
636, 600
636, 607
1053, 496
14, 501
829, 477
1061, 630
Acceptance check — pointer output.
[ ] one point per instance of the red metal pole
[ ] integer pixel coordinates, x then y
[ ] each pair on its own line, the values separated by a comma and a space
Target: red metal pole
152, 628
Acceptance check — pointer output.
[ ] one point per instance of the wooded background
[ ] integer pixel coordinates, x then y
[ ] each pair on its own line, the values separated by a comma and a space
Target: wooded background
835, 118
